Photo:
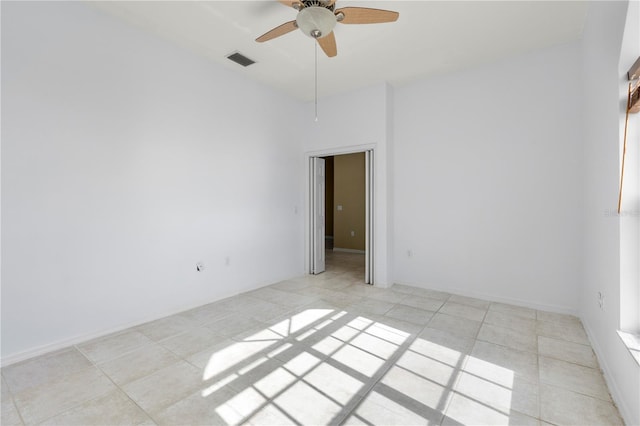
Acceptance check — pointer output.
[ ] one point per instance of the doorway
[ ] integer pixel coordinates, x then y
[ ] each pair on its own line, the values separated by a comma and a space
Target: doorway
341, 214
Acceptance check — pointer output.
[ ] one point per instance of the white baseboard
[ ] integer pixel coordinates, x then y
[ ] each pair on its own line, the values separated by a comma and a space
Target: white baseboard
346, 250
85, 337
494, 298
616, 394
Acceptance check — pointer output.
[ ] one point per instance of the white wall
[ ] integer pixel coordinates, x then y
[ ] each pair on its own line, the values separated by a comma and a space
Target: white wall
124, 162
354, 122
603, 109
487, 191
630, 207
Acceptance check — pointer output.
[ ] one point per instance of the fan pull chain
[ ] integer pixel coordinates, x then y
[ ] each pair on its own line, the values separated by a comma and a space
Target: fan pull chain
315, 43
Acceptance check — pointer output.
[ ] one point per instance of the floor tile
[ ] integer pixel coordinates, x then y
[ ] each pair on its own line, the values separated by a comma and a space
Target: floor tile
557, 318
363, 290
282, 297
300, 363
387, 295
269, 378
461, 327
577, 378
199, 408
324, 349
9, 414
41, 369
235, 324
428, 368
270, 415
401, 327
377, 408
165, 387
564, 407
521, 395
401, 288
54, 397
241, 301
523, 341
513, 310
500, 364
442, 346
114, 345
467, 411
137, 364
340, 299
411, 385
391, 330
422, 303
307, 406
525, 325
431, 294
4, 388
358, 360
243, 406
229, 356
409, 314
572, 332
266, 311
340, 386
206, 314
114, 408
190, 342
476, 303
567, 351
291, 285
374, 345
464, 311
371, 306
167, 327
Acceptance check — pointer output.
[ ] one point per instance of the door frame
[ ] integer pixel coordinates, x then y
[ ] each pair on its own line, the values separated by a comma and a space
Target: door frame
317, 201
370, 204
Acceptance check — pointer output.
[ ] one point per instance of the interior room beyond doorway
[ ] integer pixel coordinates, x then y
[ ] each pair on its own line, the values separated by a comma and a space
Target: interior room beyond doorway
345, 213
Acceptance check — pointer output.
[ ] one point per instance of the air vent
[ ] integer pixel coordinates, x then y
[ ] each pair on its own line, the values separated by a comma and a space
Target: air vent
239, 58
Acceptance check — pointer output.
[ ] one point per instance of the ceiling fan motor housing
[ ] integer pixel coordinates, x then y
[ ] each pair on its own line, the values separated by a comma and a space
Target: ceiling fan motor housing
316, 21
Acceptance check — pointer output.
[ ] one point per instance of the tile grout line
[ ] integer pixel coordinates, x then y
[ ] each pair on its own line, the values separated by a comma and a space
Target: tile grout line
116, 386
13, 402
391, 361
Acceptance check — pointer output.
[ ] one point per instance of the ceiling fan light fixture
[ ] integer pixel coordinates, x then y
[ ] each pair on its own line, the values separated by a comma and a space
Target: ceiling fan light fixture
316, 21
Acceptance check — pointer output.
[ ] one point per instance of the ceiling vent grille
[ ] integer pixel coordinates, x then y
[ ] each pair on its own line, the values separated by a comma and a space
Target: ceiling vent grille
239, 58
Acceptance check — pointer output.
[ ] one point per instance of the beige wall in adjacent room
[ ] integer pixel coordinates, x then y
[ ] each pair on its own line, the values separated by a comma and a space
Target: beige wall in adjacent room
328, 196
349, 192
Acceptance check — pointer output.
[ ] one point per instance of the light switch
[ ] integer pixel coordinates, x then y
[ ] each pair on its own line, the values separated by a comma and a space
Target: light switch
339, 207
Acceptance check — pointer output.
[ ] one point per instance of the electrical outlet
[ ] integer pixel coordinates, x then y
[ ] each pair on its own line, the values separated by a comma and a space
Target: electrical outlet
353, 233
409, 253
600, 300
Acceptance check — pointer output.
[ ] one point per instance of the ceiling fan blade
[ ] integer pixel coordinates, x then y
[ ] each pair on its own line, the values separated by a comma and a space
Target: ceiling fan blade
364, 15
328, 44
287, 27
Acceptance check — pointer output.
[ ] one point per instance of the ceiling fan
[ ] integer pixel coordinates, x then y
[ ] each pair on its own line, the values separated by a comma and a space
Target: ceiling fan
317, 18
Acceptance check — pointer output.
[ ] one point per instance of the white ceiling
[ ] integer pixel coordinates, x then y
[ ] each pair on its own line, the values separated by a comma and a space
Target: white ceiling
430, 37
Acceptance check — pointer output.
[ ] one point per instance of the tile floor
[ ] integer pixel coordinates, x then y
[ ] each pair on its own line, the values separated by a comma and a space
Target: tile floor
323, 349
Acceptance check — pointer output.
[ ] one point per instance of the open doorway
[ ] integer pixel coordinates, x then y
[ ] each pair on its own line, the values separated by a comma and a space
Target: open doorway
341, 215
